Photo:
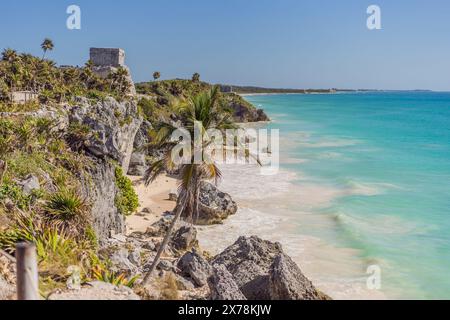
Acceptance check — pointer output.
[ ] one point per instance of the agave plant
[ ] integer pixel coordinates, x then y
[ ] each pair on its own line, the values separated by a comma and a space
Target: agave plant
67, 210
118, 279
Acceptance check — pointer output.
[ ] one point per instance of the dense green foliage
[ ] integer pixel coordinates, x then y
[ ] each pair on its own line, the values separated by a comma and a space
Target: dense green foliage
162, 97
24, 72
54, 217
126, 200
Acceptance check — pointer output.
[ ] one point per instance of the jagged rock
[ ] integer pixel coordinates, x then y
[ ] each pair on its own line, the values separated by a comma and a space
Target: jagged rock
183, 283
160, 227
215, 205
244, 113
165, 265
142, 137
101, 190
135, 257
261, 115
287, 282
185, 238
149, 245
113, 126
121, 263
97, 291
223, 286
138, 165
194, 266
30, 184
249, 261
138, 162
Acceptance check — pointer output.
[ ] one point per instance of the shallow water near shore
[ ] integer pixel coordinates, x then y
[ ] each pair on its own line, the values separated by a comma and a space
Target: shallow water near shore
363, 181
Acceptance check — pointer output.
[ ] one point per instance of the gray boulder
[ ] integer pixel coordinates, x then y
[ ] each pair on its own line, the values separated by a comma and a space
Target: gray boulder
101, 189
223, 286
138, 162
185, 238
215, 205
138, 165
195, 267
113, 126
121, 263
30, 184
287, 282
249, 261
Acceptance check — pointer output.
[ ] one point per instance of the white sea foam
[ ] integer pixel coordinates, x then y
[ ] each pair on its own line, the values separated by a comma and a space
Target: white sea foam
278, 214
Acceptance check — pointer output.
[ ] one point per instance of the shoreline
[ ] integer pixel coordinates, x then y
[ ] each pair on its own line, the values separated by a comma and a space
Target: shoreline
331, 269
154, 198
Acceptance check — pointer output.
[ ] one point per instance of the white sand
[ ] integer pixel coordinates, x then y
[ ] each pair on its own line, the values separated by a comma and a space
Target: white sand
154, 197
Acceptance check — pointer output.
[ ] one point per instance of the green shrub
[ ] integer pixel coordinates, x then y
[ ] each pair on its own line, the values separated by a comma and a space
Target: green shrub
68, 210
126, 200
14, 192
100, 273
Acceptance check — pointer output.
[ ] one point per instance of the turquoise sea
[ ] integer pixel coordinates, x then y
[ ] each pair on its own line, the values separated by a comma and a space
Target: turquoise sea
386, 158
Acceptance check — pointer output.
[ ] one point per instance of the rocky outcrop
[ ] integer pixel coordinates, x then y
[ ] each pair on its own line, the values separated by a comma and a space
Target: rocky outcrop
287, 282
96, 291
223, 286
245, 112
113, 126
215, 205
251, 268
195, 267
264, 272
249, 261
185, 238
100, 188
138, 162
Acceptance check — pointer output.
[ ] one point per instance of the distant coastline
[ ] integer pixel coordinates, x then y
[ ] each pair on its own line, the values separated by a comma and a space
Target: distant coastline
256, 91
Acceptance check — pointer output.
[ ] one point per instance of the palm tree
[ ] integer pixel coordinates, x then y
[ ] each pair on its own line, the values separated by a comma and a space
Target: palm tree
202, 112
47, 45
121, 78
196, 77
156, 75
9, 55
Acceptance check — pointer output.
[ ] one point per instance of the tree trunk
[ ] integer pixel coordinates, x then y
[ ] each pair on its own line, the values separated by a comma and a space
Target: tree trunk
163, 245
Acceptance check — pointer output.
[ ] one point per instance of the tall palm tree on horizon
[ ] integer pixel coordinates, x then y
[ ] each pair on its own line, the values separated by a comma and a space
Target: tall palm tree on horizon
202, 112
47, 45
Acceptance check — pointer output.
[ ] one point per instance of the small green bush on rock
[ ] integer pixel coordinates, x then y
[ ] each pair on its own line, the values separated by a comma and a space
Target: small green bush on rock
126, 200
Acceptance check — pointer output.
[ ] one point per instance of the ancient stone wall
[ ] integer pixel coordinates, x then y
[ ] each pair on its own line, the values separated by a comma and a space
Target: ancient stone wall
113, 57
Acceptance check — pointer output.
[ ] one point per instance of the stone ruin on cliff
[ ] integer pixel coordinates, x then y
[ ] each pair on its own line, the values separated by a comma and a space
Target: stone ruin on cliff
107, 60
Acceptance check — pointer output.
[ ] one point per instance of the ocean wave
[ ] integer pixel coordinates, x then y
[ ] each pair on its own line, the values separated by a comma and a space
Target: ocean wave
246, 182
335, 143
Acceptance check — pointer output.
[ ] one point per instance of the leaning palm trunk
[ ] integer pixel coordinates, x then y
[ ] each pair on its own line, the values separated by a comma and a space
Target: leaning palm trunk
163, 245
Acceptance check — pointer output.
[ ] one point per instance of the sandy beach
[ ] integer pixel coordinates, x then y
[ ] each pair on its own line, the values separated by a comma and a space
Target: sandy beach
332, 270
154, 199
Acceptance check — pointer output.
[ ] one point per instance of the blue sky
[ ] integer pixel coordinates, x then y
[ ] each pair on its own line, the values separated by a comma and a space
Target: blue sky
274, 43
